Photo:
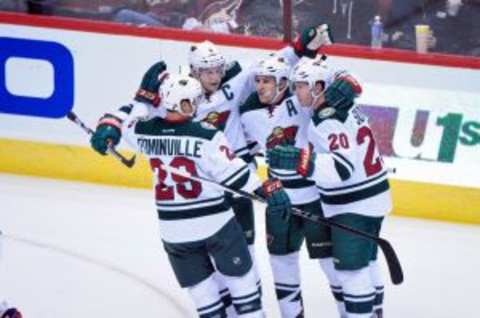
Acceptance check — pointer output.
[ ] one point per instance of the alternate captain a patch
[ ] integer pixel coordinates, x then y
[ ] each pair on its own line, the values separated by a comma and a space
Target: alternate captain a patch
282, 136
217, 119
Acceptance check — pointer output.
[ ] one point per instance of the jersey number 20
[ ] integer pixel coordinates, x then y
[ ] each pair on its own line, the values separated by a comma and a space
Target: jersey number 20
188, 189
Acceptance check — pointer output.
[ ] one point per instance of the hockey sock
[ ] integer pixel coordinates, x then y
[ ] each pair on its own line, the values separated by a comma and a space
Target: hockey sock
358, 292
206, 297
246, 298
286, 275
225, 295
377, 280
251, 249
337, 291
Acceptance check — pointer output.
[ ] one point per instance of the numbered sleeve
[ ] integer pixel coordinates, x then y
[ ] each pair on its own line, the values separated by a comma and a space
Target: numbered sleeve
225, 168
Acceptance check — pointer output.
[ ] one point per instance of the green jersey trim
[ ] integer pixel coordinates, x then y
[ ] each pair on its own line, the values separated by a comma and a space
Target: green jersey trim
193, 212
160, 127
234, 69
359, 195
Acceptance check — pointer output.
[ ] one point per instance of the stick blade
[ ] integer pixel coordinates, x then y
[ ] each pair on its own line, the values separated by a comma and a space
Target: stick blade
393, 263
72, 116
129, 162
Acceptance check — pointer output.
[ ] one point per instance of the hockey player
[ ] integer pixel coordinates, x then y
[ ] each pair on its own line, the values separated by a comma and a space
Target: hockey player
272, 116
198, 228
355, 191
226, 86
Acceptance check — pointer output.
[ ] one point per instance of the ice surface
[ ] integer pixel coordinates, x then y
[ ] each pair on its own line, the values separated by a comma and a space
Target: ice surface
82, 250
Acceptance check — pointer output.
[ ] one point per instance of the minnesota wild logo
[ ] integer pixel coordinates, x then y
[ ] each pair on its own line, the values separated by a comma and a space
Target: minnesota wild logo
282, 136
217, 119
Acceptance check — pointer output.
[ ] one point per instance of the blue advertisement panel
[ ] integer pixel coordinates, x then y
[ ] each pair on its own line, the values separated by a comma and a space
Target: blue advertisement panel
61, 101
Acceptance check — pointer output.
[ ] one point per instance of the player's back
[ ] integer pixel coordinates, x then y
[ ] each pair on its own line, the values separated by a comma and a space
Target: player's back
362, 184
183, 204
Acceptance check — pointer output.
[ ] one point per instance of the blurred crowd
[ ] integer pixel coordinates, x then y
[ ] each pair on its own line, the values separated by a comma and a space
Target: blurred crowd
455, 24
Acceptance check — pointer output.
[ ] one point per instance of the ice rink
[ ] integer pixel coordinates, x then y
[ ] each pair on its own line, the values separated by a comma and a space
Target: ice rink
76, 250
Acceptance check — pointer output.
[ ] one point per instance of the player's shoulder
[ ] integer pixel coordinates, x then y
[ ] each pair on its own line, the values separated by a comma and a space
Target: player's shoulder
232, 70
324, 116
147, 127
333, 116
251, 103
348, 122
200, 129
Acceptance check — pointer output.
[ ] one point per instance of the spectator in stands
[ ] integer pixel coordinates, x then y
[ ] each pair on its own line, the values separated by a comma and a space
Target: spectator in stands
400, 18
459, 32
217, 16
157, 13
261, 18
349, 19
455, 23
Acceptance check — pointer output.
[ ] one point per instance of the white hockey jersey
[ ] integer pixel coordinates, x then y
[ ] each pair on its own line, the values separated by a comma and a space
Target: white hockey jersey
189, 210
283, 124
360, 183
221, 108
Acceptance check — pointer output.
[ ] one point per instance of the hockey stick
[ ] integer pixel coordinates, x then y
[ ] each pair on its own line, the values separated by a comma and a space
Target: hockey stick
127, 162
394, 267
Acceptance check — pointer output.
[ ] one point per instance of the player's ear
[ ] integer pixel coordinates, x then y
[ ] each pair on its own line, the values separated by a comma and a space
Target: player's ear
283, 84
319, 87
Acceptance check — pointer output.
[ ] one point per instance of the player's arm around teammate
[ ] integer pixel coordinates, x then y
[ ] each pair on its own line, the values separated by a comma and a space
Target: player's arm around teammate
273, 117
350, 176
197, 227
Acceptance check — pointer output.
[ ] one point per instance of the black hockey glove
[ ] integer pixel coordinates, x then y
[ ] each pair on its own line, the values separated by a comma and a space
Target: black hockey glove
108, 132
312, 39
292, 158
342, 93
148, 91
278, 202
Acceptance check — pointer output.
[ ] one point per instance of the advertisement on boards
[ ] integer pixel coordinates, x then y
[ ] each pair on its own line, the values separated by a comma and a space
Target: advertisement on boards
427, 131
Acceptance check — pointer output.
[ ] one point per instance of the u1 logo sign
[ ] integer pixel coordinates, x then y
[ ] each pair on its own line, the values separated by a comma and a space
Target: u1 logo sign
58, 100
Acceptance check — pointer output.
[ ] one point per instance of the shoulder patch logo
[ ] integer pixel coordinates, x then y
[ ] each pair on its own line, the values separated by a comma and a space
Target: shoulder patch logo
326, 112
219, 120
206, 125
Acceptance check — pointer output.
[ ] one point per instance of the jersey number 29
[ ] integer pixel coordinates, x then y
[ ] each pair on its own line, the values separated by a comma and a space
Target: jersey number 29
188, 189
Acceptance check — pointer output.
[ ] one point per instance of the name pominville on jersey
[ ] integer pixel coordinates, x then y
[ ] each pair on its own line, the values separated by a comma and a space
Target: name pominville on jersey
200, 149
170, 147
